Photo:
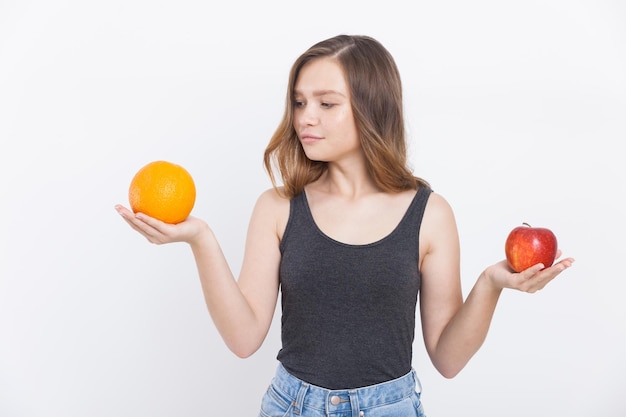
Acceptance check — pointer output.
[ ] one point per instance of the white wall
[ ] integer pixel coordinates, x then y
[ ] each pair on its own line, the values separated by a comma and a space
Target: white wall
516, 113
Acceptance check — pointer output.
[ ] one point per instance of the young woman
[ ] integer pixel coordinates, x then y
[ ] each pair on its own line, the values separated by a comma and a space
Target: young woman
350, 240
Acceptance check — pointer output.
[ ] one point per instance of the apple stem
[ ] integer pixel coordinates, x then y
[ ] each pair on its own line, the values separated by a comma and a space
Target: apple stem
526, 224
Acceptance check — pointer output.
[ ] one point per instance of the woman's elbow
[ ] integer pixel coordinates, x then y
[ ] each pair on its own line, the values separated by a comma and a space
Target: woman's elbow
243, 349
449, 373
449, 370
243, 354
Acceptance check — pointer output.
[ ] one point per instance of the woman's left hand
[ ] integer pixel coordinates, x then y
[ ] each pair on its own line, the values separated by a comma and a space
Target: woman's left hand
530, 280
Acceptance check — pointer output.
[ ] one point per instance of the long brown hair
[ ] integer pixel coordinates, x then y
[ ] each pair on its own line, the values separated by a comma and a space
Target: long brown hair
374, 83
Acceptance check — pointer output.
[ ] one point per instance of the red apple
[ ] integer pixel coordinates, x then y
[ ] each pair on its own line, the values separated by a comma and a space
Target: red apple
527, 246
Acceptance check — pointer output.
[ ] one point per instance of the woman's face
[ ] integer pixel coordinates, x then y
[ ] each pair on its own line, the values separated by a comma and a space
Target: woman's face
323, 116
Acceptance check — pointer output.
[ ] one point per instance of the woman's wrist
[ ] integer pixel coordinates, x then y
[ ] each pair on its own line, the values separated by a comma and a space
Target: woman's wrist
488, 280
202, 237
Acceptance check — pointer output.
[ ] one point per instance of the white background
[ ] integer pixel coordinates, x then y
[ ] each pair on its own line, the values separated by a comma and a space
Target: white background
516, 112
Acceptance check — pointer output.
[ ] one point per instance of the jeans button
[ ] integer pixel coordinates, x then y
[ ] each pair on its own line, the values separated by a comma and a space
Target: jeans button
335, 400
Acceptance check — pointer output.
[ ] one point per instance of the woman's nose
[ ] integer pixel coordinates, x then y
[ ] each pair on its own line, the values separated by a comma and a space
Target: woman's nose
307, 116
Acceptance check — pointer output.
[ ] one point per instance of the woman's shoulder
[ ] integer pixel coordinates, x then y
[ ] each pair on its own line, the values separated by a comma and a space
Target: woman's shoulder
437, 201
438, 211
273, 204
274, 197
272, 207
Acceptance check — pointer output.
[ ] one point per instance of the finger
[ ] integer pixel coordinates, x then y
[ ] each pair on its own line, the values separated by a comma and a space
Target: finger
151, 221
127, 216
544, 276
529, 279
560, 266
159, 231
140, 223
123, 211
151, 234
530, 272
566, 262
138, 219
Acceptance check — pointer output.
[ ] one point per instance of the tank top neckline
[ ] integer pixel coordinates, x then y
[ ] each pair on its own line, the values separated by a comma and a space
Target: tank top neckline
388, 236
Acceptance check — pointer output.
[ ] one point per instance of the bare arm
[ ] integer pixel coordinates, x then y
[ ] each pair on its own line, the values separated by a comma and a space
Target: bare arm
455, 329
242, 309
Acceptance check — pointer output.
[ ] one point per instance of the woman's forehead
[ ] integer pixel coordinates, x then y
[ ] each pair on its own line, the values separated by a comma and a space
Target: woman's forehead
321, 76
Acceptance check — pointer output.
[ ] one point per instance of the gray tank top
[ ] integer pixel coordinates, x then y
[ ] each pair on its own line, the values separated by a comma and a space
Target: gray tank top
348, 311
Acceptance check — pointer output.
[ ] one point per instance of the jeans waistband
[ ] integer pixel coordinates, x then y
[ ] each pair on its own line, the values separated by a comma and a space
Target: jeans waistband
305, 394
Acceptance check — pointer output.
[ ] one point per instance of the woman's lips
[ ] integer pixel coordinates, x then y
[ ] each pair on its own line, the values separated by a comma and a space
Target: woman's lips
309, 138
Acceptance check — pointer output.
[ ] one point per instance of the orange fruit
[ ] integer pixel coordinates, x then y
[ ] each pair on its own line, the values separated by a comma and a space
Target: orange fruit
163, 190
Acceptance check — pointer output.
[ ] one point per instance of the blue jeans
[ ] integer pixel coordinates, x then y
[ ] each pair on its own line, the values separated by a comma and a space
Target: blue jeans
288, 396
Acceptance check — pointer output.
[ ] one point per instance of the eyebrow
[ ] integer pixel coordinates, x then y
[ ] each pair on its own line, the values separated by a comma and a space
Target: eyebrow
319, 93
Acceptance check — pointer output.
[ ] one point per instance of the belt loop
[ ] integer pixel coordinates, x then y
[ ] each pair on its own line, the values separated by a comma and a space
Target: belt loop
354, 403
418, 383
299, 402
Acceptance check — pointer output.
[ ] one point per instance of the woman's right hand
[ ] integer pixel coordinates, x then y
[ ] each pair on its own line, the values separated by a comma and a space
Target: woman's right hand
158, 232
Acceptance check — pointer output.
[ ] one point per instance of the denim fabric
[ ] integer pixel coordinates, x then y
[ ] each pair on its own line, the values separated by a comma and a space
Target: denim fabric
288, 396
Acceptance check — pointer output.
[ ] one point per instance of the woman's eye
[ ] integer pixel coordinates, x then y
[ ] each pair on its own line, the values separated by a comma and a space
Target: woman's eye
297, 103
327, 105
